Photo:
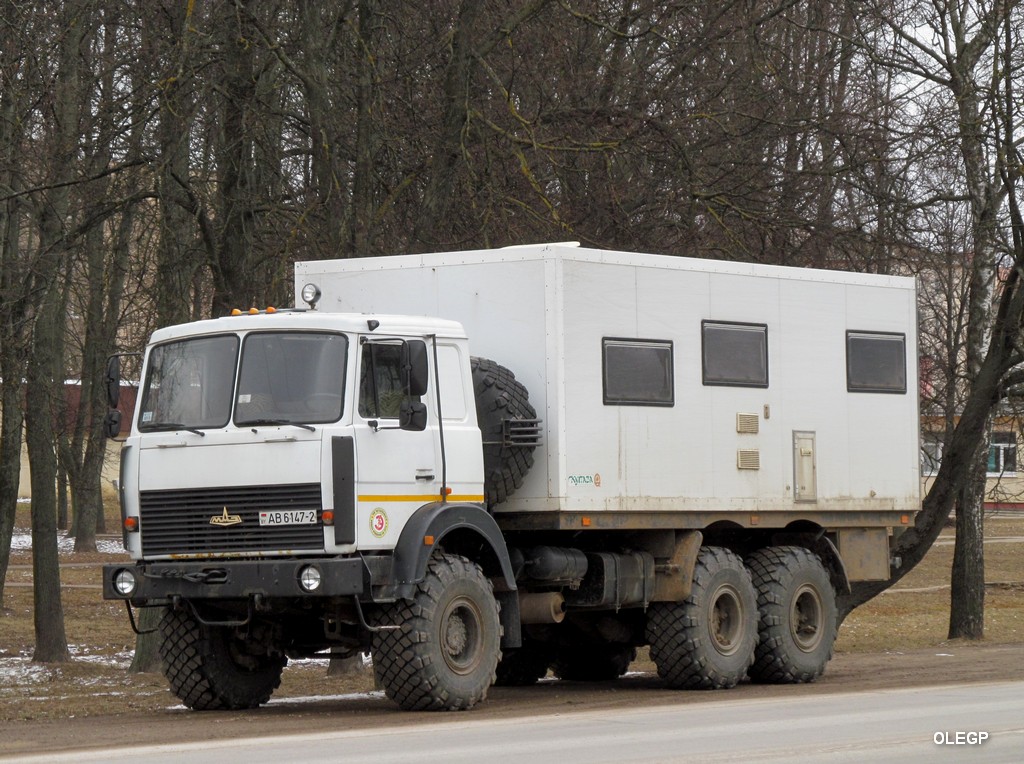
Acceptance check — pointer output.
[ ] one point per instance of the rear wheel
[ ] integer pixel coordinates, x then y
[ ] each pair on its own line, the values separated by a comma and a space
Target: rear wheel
216, 667
444, 655
797, 615
707, 641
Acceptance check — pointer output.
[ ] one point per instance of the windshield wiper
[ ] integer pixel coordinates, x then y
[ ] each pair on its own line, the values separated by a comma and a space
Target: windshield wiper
167, 426
276, 423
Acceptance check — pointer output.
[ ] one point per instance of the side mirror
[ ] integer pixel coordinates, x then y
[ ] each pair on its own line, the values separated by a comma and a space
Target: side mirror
113, 380
412, 415
112, 423
414, 367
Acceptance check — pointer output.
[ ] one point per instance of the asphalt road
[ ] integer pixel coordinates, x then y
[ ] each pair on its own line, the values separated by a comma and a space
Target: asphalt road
981, 722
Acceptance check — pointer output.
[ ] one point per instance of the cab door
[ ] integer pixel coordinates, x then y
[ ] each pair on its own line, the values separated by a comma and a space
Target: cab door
397, 470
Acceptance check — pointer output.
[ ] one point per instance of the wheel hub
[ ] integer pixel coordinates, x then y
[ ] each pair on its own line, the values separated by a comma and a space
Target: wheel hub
805, 621
461, 636
455, 637
726, 621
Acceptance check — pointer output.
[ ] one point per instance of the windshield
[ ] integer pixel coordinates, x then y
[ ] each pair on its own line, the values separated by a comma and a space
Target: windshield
188, 384
285, 378
291, 377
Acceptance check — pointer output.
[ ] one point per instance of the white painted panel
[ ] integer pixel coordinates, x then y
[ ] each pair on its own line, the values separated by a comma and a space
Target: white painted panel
266, 459
453, 390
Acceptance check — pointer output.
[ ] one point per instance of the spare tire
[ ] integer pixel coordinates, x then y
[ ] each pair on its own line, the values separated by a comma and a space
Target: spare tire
500, 398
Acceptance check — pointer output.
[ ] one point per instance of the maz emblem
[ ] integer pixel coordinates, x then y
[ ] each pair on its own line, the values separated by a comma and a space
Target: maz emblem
225, 519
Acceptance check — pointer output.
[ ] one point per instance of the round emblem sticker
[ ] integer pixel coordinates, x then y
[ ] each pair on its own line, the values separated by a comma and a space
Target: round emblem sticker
378, 523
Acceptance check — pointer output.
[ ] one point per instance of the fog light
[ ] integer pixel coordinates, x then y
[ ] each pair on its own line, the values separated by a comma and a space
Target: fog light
124, 582
310, 578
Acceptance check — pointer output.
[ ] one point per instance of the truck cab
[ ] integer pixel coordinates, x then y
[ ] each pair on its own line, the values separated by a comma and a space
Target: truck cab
249, 427
286, 467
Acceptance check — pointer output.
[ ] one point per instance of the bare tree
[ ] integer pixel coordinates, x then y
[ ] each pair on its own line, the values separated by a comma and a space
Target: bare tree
44, 378
14, 96
947, 52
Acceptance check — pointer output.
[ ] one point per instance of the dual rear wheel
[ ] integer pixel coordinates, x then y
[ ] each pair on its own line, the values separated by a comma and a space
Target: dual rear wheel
797, 615
773, 618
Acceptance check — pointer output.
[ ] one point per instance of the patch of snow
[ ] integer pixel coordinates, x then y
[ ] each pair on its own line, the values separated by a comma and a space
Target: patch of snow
21, 670
18, 669
320, 659
321, 698
122, 659
21, 541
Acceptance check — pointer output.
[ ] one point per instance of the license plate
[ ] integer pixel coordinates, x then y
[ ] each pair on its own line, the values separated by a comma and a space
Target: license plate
289, 517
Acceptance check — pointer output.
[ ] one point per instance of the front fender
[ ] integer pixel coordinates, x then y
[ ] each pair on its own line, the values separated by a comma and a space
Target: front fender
465, 529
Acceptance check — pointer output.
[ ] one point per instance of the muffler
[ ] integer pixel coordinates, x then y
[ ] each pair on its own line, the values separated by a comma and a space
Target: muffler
541, 607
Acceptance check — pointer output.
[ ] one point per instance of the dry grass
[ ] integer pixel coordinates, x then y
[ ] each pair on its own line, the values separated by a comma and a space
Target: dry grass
96, 680
915, 612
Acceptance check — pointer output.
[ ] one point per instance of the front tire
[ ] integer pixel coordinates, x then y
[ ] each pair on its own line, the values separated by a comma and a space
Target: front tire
797, 615
707, 641
443, 657
211, 668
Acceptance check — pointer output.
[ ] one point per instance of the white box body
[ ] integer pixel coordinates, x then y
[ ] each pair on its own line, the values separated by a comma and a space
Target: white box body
544, 311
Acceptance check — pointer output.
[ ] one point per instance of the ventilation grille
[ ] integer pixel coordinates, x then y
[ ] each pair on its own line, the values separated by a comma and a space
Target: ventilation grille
747, 423
178, 521
748, 459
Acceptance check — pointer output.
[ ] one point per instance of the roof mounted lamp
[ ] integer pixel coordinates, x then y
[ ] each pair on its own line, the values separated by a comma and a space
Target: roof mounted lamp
310, 295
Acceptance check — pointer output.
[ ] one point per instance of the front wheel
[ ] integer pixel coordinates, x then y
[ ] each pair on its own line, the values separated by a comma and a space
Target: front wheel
797, 615
707, 641
215, 667
444, 655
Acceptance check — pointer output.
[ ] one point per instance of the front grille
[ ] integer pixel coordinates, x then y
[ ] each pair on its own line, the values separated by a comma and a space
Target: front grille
178, 521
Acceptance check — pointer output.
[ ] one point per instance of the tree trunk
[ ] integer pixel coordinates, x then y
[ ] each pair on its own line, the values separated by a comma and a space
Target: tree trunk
62, 501
967, 589
44, 375
362, 177
10, 462
12, 354
967, 584
448, 146
168, 37
11, 408
233, 269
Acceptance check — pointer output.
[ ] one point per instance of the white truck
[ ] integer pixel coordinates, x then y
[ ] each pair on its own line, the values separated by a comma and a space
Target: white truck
481, 466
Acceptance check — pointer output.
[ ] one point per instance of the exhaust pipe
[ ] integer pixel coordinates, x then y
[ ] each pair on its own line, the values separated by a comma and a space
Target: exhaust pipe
541, 607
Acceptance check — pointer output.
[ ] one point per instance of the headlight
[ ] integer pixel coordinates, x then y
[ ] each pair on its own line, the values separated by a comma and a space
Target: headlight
124, 582
310, 578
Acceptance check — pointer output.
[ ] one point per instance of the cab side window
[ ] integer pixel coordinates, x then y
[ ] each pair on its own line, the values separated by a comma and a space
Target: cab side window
380, 381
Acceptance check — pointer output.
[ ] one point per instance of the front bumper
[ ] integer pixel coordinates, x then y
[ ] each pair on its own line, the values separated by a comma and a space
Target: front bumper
236, 579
